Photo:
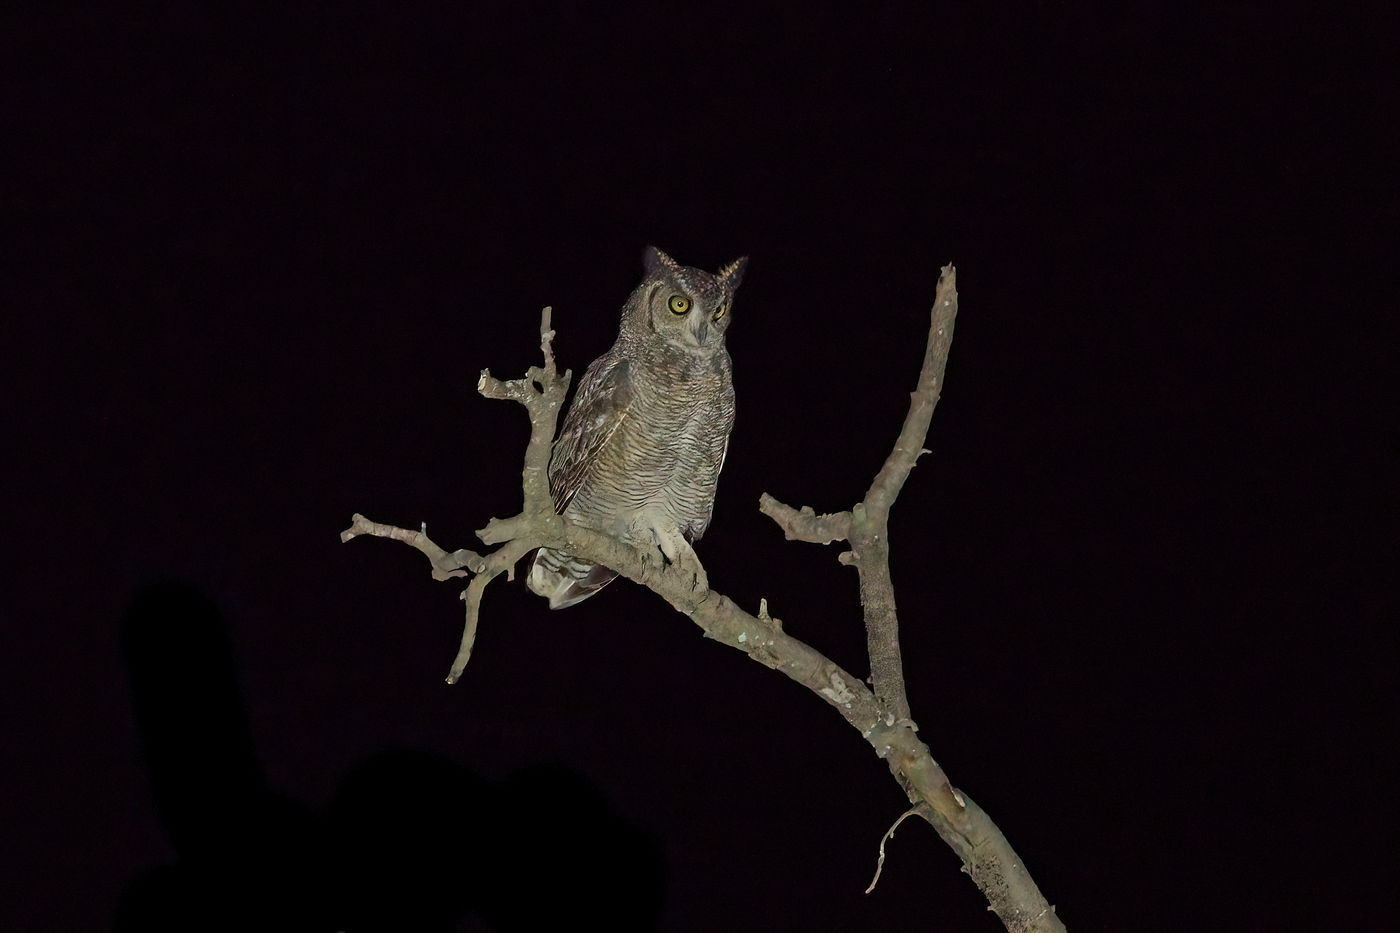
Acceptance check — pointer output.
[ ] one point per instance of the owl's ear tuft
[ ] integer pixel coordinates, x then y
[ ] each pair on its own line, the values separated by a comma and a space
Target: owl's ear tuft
731, 275
654, 261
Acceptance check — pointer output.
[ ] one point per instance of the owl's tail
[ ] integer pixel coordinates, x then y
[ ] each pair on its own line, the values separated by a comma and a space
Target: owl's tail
564, 579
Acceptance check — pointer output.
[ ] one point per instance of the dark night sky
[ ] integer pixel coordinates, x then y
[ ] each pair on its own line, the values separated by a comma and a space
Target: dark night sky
1144, 577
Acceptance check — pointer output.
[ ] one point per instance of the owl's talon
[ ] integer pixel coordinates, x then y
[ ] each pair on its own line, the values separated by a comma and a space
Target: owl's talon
689, 564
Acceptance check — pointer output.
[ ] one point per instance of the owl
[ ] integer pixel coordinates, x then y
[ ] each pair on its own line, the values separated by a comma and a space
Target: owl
644, 440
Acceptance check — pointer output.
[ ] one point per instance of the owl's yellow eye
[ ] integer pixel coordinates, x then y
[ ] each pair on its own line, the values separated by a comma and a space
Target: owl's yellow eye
721, 311
679, 304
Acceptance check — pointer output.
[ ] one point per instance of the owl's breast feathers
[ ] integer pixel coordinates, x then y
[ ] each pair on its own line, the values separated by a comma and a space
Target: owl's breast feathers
634, 446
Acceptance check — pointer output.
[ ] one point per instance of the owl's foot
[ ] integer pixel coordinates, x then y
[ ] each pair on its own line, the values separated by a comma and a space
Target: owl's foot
652, 558
680, 555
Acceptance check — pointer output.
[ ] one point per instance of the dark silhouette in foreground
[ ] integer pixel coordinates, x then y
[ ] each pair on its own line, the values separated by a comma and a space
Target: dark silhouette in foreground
411, 841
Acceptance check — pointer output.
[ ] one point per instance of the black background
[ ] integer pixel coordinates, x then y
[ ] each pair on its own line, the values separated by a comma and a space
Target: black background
257, 259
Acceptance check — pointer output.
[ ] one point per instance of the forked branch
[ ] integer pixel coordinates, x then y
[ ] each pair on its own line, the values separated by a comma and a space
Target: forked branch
881, 716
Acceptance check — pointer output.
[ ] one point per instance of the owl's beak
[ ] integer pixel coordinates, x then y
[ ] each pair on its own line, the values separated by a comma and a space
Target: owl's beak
700, 330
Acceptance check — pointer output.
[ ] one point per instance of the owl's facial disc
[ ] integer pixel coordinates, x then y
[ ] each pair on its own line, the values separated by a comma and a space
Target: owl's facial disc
688, 308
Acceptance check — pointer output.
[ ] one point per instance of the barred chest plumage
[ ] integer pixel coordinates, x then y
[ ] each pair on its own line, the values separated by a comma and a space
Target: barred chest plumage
666, 454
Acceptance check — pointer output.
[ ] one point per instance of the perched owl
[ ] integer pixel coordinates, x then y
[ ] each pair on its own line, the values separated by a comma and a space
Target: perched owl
644, 439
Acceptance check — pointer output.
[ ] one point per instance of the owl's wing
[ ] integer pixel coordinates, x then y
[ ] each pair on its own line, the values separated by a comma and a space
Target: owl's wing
599, 408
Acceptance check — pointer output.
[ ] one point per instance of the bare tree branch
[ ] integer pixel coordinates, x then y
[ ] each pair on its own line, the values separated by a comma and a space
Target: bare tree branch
445, 565
805, 524
882, 716
870, 519
866, 525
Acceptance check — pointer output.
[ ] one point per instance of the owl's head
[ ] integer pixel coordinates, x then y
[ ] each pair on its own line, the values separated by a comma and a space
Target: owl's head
689, 308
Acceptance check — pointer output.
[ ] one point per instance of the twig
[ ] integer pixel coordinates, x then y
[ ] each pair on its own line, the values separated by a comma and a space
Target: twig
445, 565
805, 524
889, 834
502, 559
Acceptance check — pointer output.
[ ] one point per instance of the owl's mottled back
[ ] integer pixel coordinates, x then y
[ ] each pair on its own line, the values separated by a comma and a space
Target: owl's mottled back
645, 436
